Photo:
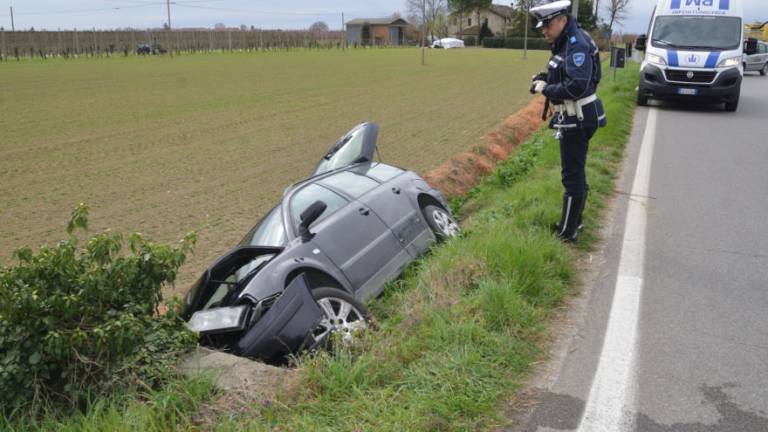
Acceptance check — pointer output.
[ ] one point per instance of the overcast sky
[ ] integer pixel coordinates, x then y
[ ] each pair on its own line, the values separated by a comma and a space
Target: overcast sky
105, 14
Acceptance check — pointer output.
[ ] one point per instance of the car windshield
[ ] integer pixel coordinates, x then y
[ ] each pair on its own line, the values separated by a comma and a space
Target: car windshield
268, 232
697, 32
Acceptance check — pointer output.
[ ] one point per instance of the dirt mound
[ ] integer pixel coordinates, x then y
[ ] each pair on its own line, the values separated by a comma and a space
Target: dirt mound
464, 171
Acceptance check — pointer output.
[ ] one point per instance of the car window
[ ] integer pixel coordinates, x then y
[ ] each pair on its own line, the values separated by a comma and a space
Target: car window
383, 172
268, 232
763, 48
350, 183
305, 197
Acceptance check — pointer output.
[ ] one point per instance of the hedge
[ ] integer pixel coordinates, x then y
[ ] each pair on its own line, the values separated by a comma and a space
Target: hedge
516, 43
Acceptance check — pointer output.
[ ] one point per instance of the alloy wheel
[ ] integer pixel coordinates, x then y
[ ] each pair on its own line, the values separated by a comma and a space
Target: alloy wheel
445, 223
339, 316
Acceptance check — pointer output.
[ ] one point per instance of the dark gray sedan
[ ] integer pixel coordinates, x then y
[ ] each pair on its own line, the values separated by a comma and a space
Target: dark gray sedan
307, 268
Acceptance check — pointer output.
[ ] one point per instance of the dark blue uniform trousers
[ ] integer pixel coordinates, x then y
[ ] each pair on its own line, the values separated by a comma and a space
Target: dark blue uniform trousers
574, 145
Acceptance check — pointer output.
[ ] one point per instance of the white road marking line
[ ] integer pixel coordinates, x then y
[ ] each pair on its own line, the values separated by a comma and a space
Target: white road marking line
611, 402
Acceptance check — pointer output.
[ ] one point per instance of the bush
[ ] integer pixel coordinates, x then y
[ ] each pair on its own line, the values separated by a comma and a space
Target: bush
516, 43
470, 41
81, 320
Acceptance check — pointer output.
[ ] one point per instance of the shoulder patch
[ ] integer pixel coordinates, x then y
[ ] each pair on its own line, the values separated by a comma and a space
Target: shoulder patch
573, 39
579, 58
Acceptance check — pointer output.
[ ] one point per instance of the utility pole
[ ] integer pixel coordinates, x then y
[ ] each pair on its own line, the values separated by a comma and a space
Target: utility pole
343, 33
13, 26
527, 24
170, 39
575, 12
423, 30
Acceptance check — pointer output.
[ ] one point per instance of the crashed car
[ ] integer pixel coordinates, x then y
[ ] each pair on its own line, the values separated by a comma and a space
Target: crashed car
305, 271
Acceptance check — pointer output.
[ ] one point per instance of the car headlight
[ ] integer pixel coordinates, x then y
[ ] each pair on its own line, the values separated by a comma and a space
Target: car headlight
655, 59
730, 62
218, 320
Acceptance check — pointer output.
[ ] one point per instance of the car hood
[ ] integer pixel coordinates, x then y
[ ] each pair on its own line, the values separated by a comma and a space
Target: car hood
229, 264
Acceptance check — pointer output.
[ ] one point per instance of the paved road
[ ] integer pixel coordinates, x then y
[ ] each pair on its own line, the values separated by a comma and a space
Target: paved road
695, 358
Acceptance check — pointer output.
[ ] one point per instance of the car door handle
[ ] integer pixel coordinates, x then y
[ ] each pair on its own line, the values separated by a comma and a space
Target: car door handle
364, 211
396, 190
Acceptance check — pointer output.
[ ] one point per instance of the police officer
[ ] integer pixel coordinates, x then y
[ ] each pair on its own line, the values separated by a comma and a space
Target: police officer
570, 82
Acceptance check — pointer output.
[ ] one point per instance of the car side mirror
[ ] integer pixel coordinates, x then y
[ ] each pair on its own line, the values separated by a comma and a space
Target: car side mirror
642, 40
308, 217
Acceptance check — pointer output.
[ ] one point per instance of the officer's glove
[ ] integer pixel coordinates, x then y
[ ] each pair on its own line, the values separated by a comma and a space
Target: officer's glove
541, 76
538, 87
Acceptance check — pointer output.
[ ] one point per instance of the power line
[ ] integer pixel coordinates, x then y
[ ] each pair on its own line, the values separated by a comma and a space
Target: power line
114, 8
257, 12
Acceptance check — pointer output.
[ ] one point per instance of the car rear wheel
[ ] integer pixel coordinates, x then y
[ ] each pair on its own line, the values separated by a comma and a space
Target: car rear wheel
343, 314
764, 70
440, 222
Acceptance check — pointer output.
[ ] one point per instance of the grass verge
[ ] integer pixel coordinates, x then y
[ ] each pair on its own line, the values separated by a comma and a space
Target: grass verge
456, 336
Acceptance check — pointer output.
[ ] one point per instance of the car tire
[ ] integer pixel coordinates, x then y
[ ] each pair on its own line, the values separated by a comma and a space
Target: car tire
733, 104
333, 303
764, 70
441, 222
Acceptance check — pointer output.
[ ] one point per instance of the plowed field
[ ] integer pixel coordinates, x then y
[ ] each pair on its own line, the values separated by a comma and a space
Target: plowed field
208, 143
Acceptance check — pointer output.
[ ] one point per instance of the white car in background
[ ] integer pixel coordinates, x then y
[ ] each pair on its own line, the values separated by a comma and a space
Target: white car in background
448, 43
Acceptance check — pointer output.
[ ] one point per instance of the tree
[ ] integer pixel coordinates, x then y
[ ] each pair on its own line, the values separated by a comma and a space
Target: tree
521, 18
428, 13
460, 8
319, 27
587, 18
617, 12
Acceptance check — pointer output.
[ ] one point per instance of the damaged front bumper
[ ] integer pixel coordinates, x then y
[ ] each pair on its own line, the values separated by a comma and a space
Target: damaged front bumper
285, 328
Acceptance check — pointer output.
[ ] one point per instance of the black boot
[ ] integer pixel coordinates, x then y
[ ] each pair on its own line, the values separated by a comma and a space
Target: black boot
570, 220
558, 226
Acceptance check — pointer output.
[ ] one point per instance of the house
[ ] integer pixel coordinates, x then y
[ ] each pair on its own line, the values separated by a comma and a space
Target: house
377, 31
498, 18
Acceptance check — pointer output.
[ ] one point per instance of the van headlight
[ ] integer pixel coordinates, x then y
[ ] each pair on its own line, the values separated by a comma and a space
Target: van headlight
730, 62
218, 320
655, 59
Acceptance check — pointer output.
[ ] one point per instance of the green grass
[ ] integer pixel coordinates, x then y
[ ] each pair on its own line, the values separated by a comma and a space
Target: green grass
208, 142
456, 336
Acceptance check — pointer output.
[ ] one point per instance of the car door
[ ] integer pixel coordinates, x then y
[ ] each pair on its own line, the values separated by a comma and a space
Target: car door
358, 145
351, 235
394, 207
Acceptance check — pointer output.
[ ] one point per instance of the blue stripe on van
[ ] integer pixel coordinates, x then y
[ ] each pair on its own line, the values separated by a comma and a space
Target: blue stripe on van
712, 60
725, 4
672, 58
675, 4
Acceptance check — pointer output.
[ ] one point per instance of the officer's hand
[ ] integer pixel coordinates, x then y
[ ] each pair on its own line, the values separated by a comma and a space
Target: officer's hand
538, 87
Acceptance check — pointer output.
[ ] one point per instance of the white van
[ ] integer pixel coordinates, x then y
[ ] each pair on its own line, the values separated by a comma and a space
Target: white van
694, 50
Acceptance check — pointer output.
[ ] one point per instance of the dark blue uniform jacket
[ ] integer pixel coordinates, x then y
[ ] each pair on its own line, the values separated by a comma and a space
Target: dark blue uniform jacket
573, 73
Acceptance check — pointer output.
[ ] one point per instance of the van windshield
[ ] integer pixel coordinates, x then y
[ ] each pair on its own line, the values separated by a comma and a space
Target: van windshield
697, 32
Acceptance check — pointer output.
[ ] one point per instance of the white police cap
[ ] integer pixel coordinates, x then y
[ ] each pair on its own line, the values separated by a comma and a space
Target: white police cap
546, 12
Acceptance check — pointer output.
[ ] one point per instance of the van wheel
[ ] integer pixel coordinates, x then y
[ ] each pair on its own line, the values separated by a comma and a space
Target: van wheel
733, 105
764, 70
642, 100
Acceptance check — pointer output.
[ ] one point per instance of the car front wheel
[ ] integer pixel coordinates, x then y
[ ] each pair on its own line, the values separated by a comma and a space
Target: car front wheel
440, 222
343, 314
764, 70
